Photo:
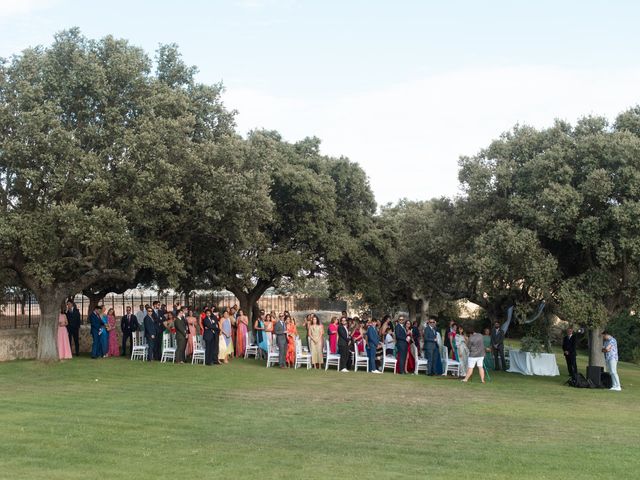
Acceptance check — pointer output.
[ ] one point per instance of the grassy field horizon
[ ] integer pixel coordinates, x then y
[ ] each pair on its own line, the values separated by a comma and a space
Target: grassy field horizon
121, 419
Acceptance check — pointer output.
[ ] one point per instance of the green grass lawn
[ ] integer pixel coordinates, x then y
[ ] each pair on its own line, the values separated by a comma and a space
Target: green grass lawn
114, 419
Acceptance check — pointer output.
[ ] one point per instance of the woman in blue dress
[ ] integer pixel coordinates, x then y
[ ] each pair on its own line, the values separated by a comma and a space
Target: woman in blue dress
104, 336
261, 336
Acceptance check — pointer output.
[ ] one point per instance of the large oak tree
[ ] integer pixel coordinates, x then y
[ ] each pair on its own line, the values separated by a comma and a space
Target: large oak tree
102, 161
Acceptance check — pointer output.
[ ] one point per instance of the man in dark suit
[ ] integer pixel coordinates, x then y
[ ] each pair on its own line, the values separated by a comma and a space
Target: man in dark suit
210, 337
343, 345
281, 341
150, 334
180, 324
401, 344
497, 347
73, 325
431, 346
158, 319
96, 329
373, 340
128, 325
569, 348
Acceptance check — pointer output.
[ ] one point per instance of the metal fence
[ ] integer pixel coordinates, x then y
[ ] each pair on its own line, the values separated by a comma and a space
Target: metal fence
24, 312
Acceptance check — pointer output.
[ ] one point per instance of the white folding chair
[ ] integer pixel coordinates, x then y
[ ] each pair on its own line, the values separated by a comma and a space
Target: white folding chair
389, 361
302, 357
168, 348
139, 347
251, 348
450, 366
273, 356
331, 358
421, 362
359, 360
198, 350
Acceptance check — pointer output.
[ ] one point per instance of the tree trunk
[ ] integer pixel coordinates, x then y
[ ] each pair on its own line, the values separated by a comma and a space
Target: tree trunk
596, 357
249, 300
412, 311
243, 298
94, 301
424, 310
546, 331
50, 303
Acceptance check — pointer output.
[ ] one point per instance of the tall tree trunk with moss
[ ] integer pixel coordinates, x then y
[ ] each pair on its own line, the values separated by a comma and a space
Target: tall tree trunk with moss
596, 357
50, 302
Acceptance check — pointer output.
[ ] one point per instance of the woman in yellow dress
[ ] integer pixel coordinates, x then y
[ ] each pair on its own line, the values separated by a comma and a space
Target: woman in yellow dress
315, 341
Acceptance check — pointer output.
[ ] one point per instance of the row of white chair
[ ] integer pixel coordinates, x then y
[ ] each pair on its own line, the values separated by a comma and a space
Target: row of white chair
140, 350
302, 358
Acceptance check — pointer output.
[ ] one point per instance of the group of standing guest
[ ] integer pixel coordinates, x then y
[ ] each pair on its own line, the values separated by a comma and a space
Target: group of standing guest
224, 335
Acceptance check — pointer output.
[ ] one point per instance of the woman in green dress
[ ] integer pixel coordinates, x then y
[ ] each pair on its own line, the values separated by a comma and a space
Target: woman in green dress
488, 360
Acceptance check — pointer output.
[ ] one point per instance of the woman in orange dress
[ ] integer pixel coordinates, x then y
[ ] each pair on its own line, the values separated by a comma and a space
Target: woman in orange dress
242, 323
292, 335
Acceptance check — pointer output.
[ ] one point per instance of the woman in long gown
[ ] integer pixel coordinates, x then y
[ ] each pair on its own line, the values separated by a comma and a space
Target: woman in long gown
462, 350
333, 335
488, 360
315, 341
104, 336
192, 332
64, 347
410, 362
439, 367
292, 334
268, 329
242, 323
225, 334
358, 338
451, 334
113, 350
261, 336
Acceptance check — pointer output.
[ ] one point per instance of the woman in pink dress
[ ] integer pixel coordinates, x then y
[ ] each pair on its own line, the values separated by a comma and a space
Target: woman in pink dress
113, 351
242, 323
333, 335
64, 347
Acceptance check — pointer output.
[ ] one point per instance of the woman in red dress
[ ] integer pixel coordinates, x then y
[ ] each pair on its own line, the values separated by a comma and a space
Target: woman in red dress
410, 363
358, 338
333, 335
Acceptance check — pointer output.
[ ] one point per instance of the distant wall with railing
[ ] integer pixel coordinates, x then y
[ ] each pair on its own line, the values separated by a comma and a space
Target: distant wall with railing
23, 311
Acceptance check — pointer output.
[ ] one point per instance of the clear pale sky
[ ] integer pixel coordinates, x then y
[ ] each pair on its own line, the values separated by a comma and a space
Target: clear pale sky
401, 87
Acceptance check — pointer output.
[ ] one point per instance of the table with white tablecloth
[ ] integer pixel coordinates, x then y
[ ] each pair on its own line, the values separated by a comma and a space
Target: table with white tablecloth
528, 363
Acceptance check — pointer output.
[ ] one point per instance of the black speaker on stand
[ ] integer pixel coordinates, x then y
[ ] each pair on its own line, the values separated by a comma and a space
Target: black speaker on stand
595, 374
